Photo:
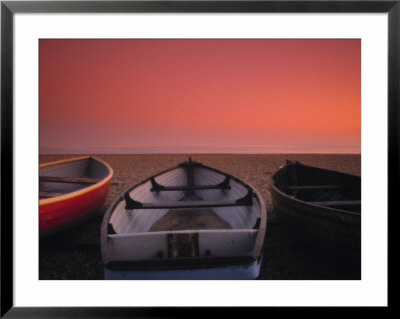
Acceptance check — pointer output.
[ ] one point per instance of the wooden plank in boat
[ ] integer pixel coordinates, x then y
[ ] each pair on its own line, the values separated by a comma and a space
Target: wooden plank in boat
247, 200
299, 187
338, 203
79, 180
188, 204
186, 188
156, 187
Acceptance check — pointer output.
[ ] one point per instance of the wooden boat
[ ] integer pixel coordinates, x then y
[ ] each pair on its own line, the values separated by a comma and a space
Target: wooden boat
70, 190
319, 205
188, 222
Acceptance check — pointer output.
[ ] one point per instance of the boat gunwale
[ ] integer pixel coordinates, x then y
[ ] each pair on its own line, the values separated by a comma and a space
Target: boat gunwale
330, 210
255, 253
80, 192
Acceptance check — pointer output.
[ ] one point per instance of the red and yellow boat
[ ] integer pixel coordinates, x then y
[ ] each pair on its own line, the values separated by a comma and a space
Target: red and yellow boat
70, 191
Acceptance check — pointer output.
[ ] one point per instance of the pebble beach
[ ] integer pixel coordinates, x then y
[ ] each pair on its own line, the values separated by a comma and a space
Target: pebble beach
75, 254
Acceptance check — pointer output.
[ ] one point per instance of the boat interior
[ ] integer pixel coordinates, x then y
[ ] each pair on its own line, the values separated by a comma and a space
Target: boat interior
195, 198
70, 176
222, 213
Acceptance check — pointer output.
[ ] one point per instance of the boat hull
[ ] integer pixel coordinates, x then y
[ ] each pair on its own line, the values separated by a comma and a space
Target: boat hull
69, 212
61, 212
333, 230
311, 226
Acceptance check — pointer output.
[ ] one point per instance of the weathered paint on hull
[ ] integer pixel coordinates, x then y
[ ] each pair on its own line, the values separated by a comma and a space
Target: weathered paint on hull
59, 215
237, 272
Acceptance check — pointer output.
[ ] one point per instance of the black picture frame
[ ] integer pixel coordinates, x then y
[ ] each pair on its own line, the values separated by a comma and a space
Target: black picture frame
9, 8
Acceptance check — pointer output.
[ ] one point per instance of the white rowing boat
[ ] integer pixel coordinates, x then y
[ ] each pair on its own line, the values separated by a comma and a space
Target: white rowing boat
188, 222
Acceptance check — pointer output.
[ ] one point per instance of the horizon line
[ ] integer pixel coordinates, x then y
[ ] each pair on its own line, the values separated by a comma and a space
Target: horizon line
203, 153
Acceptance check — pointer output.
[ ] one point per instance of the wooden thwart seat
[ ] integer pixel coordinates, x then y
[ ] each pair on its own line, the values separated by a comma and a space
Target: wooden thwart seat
156, 187
78, 180
130, 203
186, 204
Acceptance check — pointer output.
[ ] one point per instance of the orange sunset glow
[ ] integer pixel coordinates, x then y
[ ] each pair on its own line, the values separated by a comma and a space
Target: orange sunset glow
172, 96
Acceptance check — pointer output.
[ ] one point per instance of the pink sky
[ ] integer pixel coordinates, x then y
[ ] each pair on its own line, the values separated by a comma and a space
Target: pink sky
205, 95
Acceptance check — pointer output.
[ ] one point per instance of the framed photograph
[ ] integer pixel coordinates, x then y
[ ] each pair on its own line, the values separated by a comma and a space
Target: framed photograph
183, 140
